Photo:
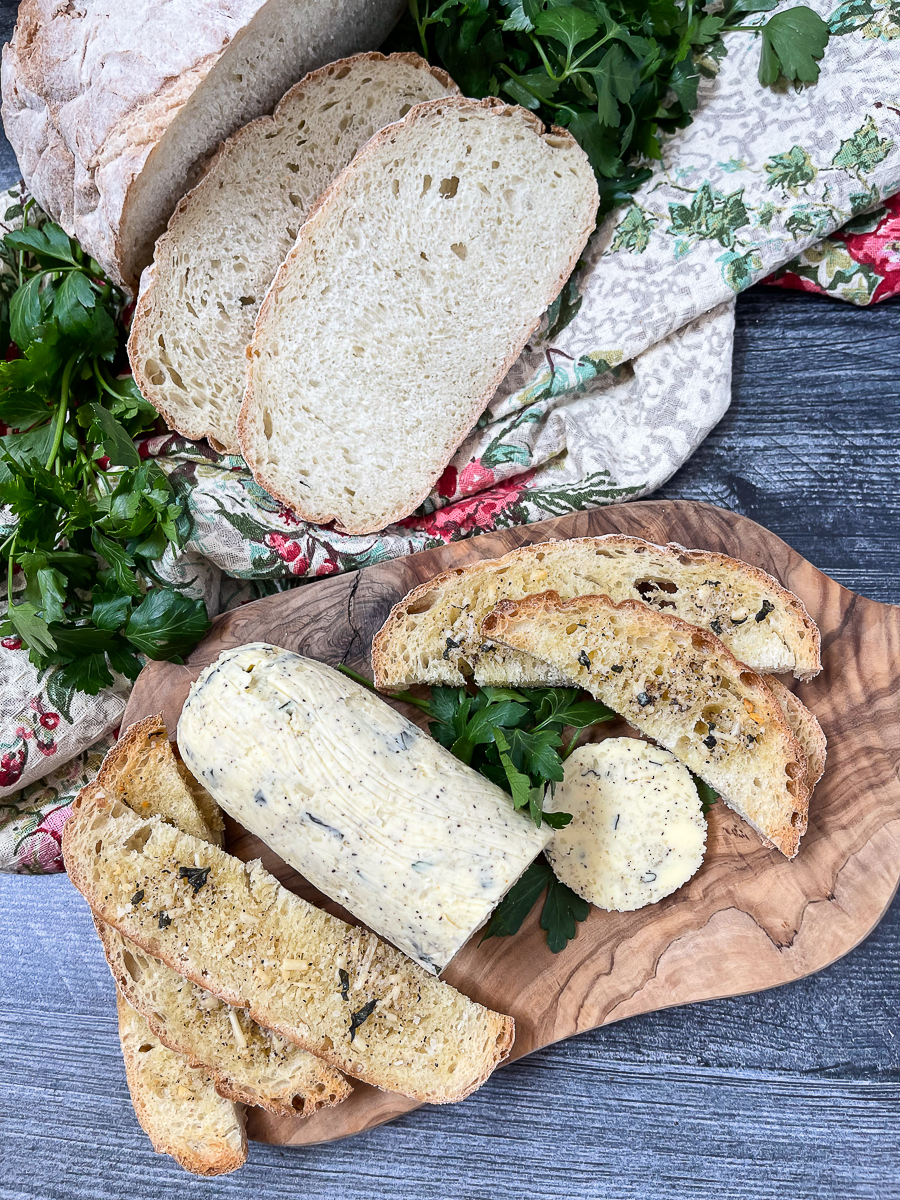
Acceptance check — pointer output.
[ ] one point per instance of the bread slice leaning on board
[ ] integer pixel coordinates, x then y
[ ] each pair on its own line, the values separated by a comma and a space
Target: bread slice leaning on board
408, 295
246, 1062
680, 686
434, 634
211, 268
113, 108
177, 1106
398, 1028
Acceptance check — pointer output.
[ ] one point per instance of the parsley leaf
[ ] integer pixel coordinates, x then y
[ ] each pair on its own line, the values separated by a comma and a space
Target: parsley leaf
708, 796
562, 911
793, 42
88, 516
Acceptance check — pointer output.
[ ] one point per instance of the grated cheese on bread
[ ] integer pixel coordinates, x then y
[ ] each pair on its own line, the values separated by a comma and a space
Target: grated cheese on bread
434, 634
399, 1028
177, 1106
679, 685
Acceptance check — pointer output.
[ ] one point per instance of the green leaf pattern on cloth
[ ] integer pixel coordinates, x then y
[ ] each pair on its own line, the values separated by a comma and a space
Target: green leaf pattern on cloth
627, 374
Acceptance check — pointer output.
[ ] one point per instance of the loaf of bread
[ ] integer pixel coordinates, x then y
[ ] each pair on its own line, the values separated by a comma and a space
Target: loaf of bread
805, 728
227, 237
112, 107
679, 685
409, 293
247, 1063
434, 634
178, 1107
331, 988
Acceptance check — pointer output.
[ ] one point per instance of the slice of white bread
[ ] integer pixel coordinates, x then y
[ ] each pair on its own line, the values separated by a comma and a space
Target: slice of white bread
227, 237
681, 686
113, 107
246, 1063
290, 964
434, 634
409, 293
178, 1107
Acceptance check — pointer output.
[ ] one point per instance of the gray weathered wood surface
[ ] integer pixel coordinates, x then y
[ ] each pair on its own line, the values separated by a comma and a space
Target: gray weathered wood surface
792, 1093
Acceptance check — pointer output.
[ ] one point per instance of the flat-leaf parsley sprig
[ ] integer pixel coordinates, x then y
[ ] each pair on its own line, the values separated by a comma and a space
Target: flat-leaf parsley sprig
617, 74
514, 737
86, 516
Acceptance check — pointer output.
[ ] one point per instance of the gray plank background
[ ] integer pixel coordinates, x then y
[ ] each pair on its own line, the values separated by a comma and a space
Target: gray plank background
792, 1093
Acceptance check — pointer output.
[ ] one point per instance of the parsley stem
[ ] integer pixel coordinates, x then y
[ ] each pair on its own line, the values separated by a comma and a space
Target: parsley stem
63, 411
406, 697
102, 380
9, 570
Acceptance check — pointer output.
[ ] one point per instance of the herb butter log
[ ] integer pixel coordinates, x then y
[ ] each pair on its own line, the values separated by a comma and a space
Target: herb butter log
366, 806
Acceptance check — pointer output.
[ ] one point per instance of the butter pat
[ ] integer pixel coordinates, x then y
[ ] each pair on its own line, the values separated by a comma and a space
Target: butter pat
637, 831
367, 807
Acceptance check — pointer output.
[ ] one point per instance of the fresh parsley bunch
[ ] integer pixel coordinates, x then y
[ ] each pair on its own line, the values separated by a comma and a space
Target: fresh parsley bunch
86, 516
615, 73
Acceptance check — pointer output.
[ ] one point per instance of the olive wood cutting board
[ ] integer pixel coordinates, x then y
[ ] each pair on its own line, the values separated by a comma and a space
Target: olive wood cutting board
748, 920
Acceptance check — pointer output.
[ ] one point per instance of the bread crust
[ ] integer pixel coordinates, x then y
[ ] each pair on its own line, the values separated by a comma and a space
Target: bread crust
786, 836
809, 647
78, 849
217, 1156
142, 326
420, 112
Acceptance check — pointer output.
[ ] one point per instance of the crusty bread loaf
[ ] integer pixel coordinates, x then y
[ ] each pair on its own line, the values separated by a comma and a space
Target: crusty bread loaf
409, 293
112, 108
805, 728
177, 1105
141, 770
679, 685
434, 634
288, 963
246, 1063
227, 237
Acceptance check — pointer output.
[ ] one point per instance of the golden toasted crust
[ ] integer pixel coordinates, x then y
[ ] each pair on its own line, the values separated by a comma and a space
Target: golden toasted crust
448, 594
211, 1140
806, 729
682, 672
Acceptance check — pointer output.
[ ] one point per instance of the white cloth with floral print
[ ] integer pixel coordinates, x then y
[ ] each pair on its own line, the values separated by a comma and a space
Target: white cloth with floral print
631, 370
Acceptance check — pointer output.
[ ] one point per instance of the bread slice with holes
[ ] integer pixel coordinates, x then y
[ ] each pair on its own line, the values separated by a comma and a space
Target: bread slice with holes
434, 634
247, 1063
227, 237
805, 728
142, 771
335, 990
408, 295
679, 685
178, 1107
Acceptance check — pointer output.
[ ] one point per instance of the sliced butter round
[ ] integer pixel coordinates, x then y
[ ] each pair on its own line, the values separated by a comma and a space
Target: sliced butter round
637, 831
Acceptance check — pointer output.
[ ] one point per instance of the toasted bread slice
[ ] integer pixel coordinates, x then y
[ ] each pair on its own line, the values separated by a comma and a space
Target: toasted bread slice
331, 988
178, 1107
434, 634
142, 771
679, 685
805, 728
247, 1063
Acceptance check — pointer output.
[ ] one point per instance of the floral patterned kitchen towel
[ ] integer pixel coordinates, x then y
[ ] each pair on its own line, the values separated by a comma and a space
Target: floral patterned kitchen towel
629, 372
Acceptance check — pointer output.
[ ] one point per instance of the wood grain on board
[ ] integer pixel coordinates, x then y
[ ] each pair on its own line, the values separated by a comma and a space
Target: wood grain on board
748, 920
